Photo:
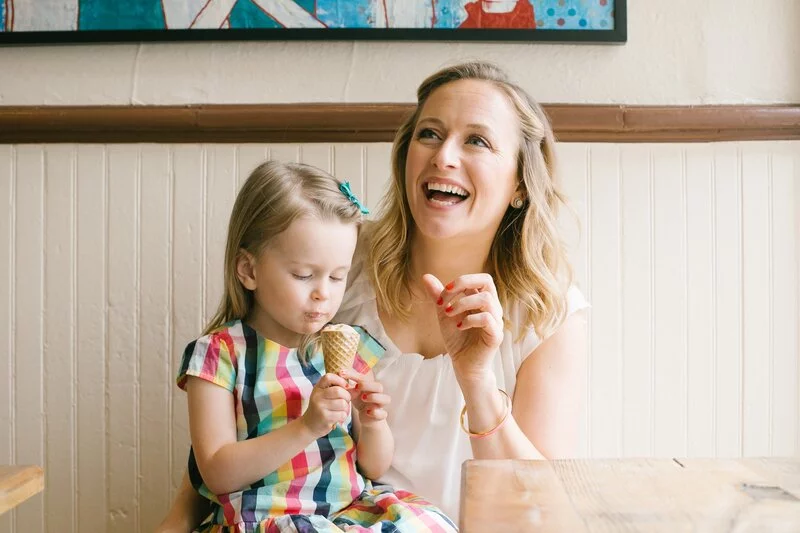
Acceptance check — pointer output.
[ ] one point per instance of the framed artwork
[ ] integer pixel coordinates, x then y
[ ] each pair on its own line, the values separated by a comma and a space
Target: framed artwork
75, 21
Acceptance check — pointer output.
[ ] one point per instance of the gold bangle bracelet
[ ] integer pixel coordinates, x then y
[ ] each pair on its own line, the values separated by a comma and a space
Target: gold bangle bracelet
494, 429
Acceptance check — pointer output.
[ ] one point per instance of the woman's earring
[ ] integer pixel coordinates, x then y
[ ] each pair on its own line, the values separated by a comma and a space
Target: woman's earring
517, 202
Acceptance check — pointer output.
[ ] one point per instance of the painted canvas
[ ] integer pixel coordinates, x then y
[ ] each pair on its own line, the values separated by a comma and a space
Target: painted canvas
115, 20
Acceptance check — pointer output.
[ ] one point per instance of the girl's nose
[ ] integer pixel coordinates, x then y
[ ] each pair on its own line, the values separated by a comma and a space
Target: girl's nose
320, 292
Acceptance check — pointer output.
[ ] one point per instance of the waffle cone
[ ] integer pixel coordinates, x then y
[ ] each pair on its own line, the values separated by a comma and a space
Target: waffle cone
339, 345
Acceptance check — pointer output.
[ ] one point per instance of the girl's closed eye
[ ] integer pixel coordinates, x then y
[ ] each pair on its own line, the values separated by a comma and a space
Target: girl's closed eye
336, 278
301, 277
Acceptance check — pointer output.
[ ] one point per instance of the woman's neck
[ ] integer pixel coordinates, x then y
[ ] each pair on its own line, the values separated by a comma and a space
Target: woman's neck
446, 259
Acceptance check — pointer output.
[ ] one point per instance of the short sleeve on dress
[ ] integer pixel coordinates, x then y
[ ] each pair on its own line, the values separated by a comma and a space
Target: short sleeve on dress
211, 358
575, 302
369, 351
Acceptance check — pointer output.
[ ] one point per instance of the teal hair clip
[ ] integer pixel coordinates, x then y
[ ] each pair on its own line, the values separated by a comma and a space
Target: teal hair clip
345, 188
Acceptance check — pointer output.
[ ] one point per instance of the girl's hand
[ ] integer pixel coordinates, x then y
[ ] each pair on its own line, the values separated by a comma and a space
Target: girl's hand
368, 398
329, 405
471, 321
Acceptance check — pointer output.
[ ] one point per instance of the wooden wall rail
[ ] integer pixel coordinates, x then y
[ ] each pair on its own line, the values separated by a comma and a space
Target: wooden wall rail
377, 123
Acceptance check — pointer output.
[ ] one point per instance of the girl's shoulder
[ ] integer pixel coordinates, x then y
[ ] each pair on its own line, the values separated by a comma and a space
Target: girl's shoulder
230, 335
215, 356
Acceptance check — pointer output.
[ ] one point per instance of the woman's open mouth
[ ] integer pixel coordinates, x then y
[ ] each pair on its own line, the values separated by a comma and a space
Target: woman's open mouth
444, 194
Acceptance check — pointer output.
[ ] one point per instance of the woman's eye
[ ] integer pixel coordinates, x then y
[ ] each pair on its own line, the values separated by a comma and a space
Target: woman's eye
301, 278
334, 278
477, 141
427, 133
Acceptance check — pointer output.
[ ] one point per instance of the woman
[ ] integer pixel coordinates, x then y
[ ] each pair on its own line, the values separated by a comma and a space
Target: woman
460, 278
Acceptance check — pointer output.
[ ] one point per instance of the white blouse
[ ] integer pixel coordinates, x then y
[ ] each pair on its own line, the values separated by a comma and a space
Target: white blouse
426, 399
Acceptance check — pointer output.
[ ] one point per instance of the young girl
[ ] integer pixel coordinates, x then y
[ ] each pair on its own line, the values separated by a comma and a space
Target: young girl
275, 443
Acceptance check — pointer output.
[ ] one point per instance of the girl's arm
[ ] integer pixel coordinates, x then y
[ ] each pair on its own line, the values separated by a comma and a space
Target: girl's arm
228, 465
374, 440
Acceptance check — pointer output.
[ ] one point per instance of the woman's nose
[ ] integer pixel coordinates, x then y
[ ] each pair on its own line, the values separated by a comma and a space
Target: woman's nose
447, 156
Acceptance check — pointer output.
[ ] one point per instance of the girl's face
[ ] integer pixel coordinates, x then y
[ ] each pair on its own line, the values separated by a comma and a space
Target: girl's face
298, 281
461, 169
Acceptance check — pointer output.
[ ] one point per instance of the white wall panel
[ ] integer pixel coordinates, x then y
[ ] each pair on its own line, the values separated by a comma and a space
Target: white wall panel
112, 262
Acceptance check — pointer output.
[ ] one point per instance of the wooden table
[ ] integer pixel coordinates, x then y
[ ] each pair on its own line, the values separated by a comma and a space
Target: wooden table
17, 484
660, 495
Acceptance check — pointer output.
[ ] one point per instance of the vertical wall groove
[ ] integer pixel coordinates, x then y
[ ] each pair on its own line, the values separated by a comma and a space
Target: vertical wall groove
74, 335
621, 300
770, 299
742, 302
13, 329
77, 343
589, 355
106, 332
204, 232
171, 312
43, 279
685, 236
714, 307
652, 288
137, 367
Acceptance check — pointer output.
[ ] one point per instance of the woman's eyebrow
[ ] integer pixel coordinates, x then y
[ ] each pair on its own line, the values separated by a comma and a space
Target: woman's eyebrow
429, 121
472, 125
480, 127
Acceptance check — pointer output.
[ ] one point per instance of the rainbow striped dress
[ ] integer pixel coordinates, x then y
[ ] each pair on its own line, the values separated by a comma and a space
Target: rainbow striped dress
320, 489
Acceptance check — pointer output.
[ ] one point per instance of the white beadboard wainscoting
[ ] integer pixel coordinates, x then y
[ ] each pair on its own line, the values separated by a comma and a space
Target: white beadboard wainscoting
111, 262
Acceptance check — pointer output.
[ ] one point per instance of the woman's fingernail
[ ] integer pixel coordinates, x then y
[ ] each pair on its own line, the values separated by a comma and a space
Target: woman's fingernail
440, 301
369, 411
448, 308
356, 387
459, 324
364, 397
450, 285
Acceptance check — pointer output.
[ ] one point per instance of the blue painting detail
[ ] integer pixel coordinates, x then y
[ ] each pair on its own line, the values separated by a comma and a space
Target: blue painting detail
121, 15
2, 16
245, 14
349, 14
575, 14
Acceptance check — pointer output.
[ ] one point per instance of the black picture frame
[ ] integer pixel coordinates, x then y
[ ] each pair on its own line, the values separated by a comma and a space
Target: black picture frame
617, 35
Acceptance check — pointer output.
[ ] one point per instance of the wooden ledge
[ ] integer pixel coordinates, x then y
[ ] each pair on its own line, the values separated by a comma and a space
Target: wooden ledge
302, 123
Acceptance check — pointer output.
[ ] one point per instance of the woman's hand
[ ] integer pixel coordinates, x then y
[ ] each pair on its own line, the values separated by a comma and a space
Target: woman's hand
329, 405
368, 398
471, 321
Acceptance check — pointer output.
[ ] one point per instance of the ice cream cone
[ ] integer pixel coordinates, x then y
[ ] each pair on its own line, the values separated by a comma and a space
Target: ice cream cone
339, 345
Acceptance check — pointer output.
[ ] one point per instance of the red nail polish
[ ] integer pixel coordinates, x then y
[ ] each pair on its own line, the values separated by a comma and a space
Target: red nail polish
356, 387
440, 301
364, 397
369, 411
448, 308
450, 285
459, 324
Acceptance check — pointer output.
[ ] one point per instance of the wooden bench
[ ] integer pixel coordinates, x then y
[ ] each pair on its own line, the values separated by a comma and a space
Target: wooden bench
17, 484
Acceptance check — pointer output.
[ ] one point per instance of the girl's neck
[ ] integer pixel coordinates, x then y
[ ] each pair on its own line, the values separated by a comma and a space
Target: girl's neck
446, 259
271, 330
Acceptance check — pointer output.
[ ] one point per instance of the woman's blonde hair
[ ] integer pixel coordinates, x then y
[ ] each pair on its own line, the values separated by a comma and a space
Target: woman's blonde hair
527, 257
273, 196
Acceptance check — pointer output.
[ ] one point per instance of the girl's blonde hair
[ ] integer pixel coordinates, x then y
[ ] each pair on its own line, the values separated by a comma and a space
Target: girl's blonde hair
527, 257
273, 196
